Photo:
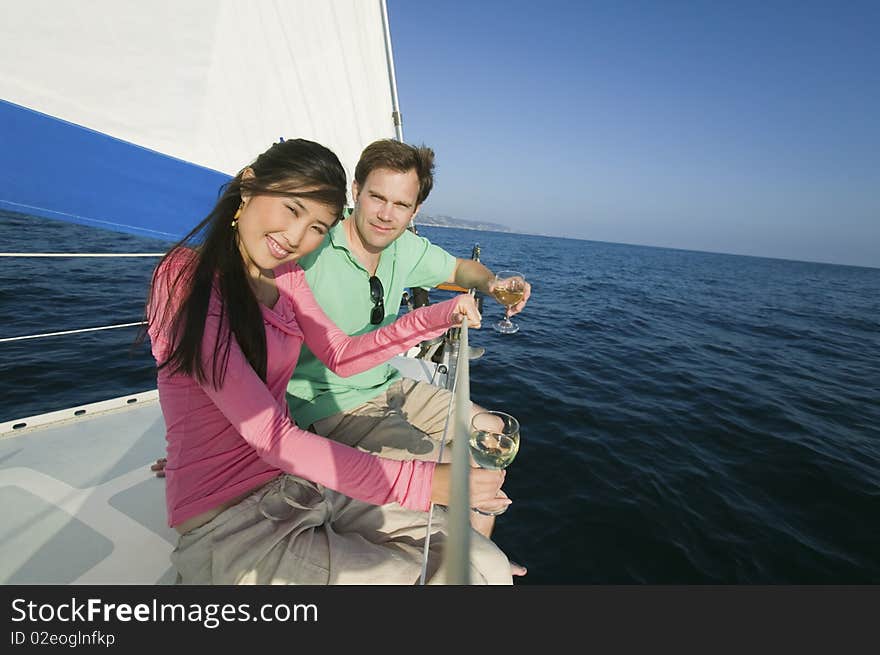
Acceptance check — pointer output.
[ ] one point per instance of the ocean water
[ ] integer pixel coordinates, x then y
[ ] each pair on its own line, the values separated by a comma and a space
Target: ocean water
687, 417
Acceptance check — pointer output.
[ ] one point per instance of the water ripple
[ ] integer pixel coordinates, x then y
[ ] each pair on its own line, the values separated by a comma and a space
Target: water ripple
687, 417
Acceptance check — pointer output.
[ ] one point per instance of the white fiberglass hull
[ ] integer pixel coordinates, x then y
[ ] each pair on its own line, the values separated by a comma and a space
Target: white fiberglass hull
78, 502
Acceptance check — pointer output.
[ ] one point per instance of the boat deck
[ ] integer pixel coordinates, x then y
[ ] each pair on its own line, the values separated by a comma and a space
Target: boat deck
78, 502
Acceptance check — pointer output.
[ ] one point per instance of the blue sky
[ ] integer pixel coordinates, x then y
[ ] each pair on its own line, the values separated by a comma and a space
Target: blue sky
749, 128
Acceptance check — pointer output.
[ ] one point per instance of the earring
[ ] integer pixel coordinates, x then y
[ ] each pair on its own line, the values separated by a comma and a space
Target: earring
237, 214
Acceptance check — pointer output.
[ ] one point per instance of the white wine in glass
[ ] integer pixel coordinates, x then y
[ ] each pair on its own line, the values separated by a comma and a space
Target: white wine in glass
494, 439
494, 442
509, 289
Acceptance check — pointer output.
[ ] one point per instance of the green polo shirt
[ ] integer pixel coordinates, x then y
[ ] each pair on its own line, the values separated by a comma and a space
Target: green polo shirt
341, 286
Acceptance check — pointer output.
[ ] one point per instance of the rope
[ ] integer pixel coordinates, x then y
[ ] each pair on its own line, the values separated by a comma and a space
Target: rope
77, 254
81, 254
55, 334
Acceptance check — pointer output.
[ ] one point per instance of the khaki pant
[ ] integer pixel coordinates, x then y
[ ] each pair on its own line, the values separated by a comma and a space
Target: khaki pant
405, 422
292, 531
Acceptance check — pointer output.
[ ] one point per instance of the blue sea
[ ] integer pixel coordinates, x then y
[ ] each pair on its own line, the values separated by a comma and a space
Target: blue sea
687, 417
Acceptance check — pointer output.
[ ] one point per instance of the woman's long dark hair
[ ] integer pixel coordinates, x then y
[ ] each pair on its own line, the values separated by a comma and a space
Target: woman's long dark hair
295, 168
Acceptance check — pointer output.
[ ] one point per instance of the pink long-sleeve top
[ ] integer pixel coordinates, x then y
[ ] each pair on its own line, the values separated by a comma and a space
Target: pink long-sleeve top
225, 441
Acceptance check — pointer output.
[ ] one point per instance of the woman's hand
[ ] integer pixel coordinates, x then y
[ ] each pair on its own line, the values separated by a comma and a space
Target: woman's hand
467, 306
485, 485
159, 467
497, 505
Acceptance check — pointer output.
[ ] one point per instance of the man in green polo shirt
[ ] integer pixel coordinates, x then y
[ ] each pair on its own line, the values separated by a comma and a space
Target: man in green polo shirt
358, 276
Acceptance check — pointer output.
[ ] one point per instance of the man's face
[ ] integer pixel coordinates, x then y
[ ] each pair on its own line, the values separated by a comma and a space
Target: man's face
384, 207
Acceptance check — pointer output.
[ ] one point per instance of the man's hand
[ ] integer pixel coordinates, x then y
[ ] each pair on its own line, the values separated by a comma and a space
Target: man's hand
471, 274
159, 467
518, 307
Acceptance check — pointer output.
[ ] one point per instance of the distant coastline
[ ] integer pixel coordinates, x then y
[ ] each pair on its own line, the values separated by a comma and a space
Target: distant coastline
443, 220
460, 223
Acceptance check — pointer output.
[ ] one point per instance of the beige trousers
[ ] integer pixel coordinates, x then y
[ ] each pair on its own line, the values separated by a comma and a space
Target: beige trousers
405, 422
292, 531
318, 536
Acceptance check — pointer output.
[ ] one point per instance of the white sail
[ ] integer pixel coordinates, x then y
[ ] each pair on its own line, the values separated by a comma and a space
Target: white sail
128, 115
208, 82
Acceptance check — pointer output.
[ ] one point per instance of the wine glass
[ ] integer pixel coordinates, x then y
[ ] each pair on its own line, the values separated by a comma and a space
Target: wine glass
509, 289
494, 442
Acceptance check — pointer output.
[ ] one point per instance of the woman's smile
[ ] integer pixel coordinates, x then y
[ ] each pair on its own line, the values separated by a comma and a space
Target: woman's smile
276, 250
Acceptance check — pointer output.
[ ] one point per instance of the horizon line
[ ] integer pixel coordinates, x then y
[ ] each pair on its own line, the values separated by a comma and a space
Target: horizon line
648, 245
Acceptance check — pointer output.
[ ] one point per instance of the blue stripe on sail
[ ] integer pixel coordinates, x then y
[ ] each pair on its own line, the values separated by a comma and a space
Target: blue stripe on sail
55, 169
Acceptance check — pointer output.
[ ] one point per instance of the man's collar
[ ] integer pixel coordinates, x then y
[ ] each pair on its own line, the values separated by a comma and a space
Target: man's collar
338, 237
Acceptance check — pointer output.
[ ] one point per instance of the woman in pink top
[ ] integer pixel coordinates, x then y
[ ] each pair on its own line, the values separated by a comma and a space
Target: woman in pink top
255, 498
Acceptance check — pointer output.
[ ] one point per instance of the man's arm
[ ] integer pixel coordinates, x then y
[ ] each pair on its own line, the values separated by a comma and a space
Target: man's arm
471, 274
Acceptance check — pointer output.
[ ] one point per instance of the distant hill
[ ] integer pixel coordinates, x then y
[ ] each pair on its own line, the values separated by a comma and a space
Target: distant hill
441, 220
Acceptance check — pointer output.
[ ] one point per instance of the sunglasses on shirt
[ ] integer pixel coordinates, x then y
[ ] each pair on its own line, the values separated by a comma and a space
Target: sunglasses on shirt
377, 294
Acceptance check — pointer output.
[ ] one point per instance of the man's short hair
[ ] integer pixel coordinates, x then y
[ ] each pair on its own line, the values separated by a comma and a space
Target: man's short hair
400, 157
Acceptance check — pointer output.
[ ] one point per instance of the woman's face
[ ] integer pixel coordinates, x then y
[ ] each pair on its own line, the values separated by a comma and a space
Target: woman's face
273, 230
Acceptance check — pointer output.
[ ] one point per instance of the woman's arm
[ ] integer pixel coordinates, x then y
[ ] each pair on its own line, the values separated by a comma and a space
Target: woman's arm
346, 355
251, 409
